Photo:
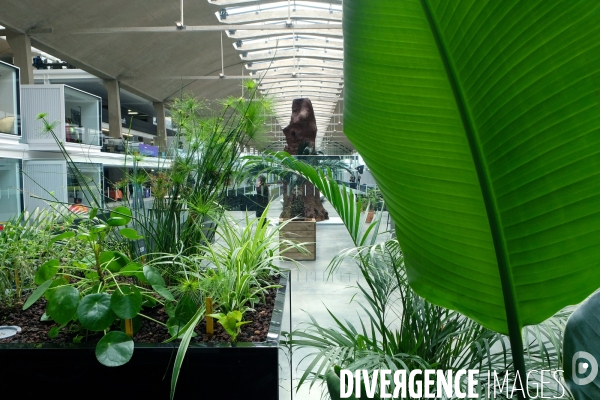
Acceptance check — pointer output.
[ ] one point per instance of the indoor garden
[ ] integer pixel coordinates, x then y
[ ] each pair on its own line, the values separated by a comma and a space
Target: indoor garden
472, 240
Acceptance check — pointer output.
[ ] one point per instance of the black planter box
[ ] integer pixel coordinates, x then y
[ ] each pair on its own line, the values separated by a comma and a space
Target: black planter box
220, 371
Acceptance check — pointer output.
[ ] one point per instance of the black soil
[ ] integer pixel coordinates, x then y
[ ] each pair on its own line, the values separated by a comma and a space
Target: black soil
33, 330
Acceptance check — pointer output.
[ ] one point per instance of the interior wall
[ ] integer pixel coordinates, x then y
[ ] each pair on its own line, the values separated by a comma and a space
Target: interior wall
10, 185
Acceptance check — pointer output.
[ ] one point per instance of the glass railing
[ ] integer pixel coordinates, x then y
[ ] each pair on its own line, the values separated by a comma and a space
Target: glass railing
121, 146
83, 135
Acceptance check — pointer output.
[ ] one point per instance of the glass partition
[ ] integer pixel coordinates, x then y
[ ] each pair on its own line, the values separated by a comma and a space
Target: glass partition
9, 99
10, 189
83, 117
84, 184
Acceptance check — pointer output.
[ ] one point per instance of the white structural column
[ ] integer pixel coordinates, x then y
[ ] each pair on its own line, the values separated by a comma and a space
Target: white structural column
161, 126
114, 108
21, 48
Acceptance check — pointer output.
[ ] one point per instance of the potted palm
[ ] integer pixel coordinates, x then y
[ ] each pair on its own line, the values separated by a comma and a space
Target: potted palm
370, 202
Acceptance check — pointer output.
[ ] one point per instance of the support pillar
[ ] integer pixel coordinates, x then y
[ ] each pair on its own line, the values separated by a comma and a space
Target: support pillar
161, 126
114, 108
21, 48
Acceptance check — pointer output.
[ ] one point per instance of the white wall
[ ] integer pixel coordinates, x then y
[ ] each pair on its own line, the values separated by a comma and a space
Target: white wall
41, 177
10, 194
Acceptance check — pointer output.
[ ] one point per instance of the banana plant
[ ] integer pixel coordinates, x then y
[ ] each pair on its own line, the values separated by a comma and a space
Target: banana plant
480, 122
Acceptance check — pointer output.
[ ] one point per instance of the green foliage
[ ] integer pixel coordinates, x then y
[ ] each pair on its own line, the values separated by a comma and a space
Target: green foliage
372, 200
95, 290
402, 330
236, 271
488, 150
231, 322
114, 349
25, 245
244, 261
187, 197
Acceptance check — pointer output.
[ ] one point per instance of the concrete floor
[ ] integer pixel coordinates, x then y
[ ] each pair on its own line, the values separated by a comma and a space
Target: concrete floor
313, 293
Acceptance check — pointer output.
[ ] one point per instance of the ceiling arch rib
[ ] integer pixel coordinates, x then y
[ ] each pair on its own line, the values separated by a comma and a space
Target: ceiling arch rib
297, 64
290, 40
312, 72
301, 83
254, 34
286, 108
285, 113
291, 62
298, 52
301, 93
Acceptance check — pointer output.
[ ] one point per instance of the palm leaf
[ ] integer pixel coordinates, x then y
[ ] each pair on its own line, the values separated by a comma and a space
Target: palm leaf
487, 146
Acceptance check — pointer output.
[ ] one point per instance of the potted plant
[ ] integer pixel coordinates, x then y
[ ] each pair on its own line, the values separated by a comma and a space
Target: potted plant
109, 296
173, 281
370, 202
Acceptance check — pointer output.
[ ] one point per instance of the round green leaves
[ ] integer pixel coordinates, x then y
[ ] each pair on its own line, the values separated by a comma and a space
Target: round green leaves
113, 260
46, 271
63, 304
153, 275
130, 234
114, 349
126, 303
94, 312
120, 216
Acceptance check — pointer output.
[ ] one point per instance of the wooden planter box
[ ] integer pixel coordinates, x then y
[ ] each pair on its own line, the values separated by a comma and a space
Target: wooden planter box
248, 371
300, 232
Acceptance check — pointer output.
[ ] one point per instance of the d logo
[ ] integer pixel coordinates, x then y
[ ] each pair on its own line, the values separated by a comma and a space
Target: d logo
582, 363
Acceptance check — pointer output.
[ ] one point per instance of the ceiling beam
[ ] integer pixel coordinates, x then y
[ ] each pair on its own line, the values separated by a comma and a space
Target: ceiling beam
278, 78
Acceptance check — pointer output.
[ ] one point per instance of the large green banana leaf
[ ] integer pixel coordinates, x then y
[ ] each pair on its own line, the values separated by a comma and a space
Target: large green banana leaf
480, 121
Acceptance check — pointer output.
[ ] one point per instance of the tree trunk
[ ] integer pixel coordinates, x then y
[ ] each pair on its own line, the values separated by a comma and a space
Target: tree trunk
313, 207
